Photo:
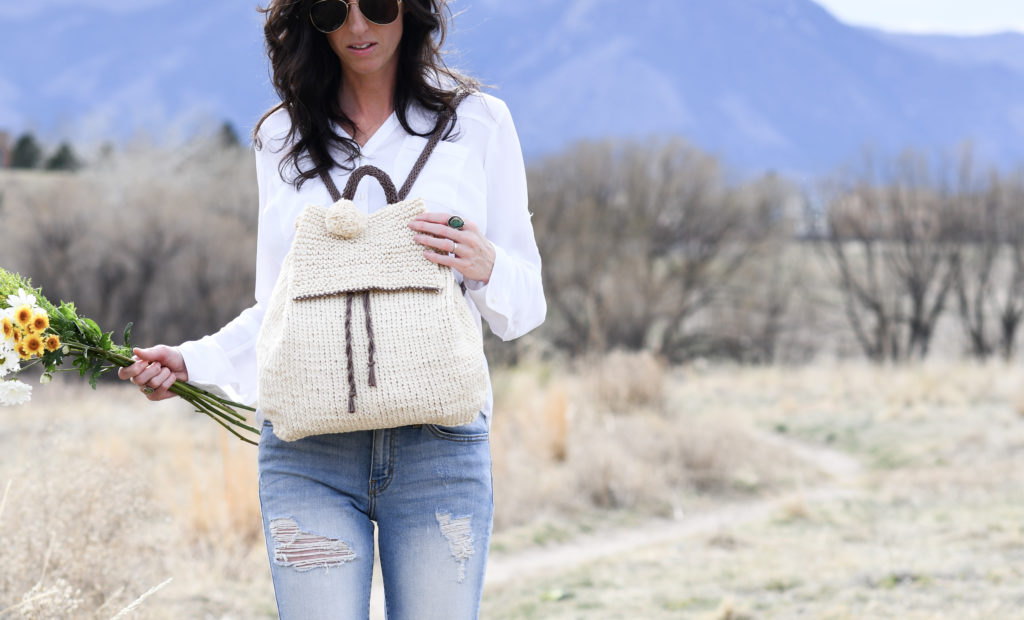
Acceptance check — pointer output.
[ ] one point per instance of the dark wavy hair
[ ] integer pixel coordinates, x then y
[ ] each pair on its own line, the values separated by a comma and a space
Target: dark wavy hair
307, 76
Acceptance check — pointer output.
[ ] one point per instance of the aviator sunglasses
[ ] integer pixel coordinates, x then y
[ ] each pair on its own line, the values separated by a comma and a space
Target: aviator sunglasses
329, 15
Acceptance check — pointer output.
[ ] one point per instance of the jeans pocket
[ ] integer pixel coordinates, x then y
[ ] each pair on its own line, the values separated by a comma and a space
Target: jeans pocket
477, 430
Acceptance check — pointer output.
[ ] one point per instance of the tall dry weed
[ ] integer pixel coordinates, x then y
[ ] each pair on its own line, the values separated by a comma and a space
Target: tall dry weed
212, 490
78, 539
623, 381
131, 493
602, 437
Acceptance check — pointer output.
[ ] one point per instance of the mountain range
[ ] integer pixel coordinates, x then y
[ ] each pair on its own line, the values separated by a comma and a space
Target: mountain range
765, 84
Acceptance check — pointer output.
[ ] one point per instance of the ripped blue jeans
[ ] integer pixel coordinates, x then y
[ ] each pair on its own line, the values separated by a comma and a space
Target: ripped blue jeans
427, 487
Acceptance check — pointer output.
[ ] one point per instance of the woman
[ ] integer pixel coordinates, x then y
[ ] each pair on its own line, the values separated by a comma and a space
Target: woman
362, 82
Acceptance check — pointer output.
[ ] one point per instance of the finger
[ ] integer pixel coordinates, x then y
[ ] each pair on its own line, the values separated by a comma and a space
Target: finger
435, 217
166, 385
441, 244
447, 259
143, 377
152, 354
145, 354
159, 379
440, 230
129, 372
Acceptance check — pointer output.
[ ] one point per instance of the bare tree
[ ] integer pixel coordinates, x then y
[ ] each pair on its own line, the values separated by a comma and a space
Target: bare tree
161, 238
639, 239
889, 241
1012, 307
990, 269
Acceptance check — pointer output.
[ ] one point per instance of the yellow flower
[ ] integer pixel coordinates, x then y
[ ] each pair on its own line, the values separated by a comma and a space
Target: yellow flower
18, 334
40, 322
23, 316
8, 328
22, 351
52, 342
34, 344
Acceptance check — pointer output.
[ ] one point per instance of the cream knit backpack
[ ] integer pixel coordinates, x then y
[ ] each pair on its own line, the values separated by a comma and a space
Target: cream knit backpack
363, 332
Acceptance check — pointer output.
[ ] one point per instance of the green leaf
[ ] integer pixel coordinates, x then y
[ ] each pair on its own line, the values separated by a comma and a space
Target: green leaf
94, 329
128, 336
106, 342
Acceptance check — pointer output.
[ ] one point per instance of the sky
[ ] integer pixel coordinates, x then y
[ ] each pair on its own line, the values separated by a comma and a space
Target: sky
938, 16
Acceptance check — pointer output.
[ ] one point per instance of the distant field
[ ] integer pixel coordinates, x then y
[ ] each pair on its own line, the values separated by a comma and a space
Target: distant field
623, 490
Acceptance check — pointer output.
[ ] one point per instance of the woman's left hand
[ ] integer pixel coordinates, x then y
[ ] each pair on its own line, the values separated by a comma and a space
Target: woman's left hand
464, 249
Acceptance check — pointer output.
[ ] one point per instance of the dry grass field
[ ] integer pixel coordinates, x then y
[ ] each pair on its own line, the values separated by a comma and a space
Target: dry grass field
624, 490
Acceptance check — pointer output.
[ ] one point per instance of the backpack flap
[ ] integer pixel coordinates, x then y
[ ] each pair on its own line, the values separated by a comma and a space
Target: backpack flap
382, 257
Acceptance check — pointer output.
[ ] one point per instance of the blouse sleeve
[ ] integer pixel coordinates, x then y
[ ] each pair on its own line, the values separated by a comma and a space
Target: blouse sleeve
227, 359
512, 301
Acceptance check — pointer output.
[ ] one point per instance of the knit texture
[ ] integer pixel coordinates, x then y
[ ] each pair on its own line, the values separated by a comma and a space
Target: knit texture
383, 257
419, 339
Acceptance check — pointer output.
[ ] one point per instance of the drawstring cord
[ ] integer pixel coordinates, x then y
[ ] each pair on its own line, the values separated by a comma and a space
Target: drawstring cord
371, 364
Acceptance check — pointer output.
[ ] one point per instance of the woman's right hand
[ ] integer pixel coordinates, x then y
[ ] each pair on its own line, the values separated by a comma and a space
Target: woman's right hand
157, 368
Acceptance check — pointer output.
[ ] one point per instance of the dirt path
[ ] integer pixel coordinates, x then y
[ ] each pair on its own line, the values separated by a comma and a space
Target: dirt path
844, 472
843, 469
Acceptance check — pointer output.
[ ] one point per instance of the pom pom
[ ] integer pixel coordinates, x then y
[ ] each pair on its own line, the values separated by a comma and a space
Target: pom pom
345, 220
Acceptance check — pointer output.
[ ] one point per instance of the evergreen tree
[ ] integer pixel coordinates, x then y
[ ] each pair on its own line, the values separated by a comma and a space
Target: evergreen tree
227, 137
63, 159
26, 152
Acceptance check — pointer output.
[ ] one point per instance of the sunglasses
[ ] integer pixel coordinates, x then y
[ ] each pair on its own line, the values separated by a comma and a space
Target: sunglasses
329, 15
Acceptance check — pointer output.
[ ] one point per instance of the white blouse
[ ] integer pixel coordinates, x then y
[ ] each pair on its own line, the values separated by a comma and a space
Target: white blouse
477, 174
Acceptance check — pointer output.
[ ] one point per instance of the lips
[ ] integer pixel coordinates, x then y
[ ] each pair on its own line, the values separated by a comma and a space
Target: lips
362, 47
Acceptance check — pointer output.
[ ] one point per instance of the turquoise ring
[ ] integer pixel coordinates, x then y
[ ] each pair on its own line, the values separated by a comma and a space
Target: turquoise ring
456, 222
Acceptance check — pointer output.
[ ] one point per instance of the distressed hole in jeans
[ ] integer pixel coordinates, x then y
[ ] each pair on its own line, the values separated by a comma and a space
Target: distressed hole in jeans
459, 535
305, 551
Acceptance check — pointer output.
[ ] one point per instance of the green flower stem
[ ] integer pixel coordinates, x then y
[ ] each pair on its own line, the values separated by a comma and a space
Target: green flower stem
210, 410
226, 427
216, 408
30, 364
213, 407
187, 392
225, 406
224, 400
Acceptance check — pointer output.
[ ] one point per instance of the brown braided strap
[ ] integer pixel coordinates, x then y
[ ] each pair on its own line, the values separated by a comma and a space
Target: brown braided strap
382, 177
435, 137
375, 172
332, 189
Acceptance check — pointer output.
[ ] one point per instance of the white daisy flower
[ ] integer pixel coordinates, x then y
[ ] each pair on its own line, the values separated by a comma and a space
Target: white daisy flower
14, 392
21, 298
9, 360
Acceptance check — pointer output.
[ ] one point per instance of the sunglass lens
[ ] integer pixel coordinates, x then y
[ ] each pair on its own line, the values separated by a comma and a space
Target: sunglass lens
379, 11
328, 15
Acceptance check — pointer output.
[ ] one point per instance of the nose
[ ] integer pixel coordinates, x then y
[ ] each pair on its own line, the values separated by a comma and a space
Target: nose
356, 22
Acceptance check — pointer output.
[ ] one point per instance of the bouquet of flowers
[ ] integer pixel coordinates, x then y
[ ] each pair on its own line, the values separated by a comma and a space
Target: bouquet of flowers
37, 333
